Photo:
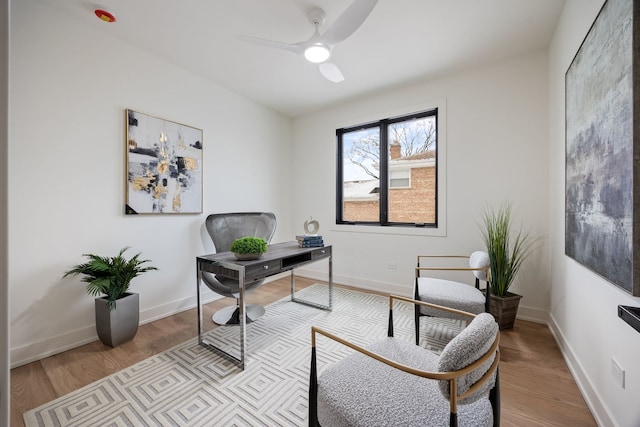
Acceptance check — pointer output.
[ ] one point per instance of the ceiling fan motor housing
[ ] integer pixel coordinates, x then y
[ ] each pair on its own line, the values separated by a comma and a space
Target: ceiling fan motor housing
317, 16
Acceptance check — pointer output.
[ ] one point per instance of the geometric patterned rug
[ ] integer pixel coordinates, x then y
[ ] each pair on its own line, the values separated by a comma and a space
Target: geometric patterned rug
189, 385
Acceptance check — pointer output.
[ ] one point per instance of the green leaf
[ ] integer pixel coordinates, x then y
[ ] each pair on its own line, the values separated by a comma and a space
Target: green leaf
507, 248
110, 276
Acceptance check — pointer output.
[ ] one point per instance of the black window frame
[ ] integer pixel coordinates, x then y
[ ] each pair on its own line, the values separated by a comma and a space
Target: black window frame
383, 126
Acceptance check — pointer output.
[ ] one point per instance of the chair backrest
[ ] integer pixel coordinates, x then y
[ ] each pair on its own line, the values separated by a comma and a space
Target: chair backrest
224, 228
479, 259
467, 347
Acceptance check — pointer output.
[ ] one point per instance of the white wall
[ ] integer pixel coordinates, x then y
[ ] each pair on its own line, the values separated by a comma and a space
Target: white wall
505, 140
71, 84
496, 130
583, 312
4, 288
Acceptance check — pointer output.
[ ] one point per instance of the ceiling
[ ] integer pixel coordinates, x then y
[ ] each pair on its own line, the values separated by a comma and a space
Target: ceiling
401, 42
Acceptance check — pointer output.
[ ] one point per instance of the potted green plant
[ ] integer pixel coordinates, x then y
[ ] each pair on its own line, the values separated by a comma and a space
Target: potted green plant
248, 247
507, 249
117, 312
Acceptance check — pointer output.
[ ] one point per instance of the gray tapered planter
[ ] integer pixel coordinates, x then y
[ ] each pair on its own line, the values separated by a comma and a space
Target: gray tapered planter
118, 326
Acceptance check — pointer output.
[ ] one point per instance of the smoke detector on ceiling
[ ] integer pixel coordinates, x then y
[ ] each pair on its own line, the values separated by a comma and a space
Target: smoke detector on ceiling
105, 15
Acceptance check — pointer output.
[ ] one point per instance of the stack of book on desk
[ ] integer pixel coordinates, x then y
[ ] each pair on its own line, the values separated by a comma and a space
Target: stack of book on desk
306, 241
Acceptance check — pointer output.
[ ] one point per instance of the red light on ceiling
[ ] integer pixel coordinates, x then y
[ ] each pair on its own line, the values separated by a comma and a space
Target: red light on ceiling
105, 16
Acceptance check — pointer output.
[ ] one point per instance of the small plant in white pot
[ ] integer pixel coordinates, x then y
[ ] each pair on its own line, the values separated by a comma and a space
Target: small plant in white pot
117, 312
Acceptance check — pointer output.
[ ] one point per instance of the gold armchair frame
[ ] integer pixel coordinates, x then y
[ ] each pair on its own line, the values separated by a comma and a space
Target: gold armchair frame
451, 376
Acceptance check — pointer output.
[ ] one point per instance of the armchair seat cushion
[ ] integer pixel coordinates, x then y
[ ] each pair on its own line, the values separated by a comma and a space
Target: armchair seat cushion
360, 391
450, 294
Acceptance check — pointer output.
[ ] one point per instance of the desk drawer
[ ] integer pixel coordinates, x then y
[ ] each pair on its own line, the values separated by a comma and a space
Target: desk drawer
264, 269
320, 253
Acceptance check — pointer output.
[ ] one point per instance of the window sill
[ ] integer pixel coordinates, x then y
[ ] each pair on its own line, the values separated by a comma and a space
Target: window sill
391, 230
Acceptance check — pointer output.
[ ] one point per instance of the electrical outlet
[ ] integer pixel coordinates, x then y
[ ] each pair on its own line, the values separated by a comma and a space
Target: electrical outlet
617, 372
392, 266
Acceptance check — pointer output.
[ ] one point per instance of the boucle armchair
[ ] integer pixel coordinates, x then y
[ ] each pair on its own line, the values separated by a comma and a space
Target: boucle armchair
450, 293
393, 382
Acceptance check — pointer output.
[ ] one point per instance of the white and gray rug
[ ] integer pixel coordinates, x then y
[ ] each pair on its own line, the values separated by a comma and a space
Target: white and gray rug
190, 386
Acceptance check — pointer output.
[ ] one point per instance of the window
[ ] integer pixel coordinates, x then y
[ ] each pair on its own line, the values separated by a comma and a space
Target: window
399, 178
387, 172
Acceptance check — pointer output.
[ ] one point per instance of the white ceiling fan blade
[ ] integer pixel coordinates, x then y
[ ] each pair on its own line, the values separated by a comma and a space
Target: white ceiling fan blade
331, 72
295, 48
350, 20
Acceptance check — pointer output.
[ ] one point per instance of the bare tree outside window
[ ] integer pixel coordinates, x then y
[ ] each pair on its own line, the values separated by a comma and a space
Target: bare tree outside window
414, 137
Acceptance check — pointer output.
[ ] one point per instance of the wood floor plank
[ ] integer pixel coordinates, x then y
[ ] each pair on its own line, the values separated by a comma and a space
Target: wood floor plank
30, 388
536, 385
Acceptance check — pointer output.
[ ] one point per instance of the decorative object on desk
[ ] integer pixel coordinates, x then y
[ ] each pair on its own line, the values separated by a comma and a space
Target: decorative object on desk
602, 208
311, 227
307, 241
507, 251
248, 248
117, 313
164, 166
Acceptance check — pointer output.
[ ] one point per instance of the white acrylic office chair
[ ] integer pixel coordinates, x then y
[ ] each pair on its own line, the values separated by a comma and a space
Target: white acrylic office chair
224, 228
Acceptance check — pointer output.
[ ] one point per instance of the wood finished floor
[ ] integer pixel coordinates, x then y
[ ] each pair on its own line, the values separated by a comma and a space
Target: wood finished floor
537, 387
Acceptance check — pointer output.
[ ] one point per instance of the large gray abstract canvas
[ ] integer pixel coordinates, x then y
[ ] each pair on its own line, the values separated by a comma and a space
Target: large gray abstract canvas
600, 148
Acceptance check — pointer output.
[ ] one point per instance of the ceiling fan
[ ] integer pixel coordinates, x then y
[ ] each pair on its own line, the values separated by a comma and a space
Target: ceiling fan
317, 49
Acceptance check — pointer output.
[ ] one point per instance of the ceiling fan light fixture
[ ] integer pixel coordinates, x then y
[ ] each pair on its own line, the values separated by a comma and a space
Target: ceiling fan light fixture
317, 53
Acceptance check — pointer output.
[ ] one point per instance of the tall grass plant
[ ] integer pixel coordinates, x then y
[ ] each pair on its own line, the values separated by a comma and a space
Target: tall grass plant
507, 248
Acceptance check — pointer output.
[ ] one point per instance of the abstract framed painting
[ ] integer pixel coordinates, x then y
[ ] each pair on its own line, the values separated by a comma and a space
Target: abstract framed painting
602, 192
164, 166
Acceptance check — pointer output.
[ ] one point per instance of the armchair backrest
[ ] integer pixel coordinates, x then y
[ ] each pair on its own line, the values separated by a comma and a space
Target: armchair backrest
479, 259
224, 228
466, 348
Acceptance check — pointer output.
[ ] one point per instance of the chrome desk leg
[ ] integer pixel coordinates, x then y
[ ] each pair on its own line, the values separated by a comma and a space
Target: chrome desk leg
330, 281
243, 327
329, 306
243, 318
199, 296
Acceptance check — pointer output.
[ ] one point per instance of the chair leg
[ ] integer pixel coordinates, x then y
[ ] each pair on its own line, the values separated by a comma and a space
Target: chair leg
487, 301
494, 398
416, 296
313, 391
231, 315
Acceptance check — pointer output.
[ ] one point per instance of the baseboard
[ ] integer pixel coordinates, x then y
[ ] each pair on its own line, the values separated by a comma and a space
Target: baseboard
356, 282
38, 350
532, 314
524, 312
54, 345
589, 393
